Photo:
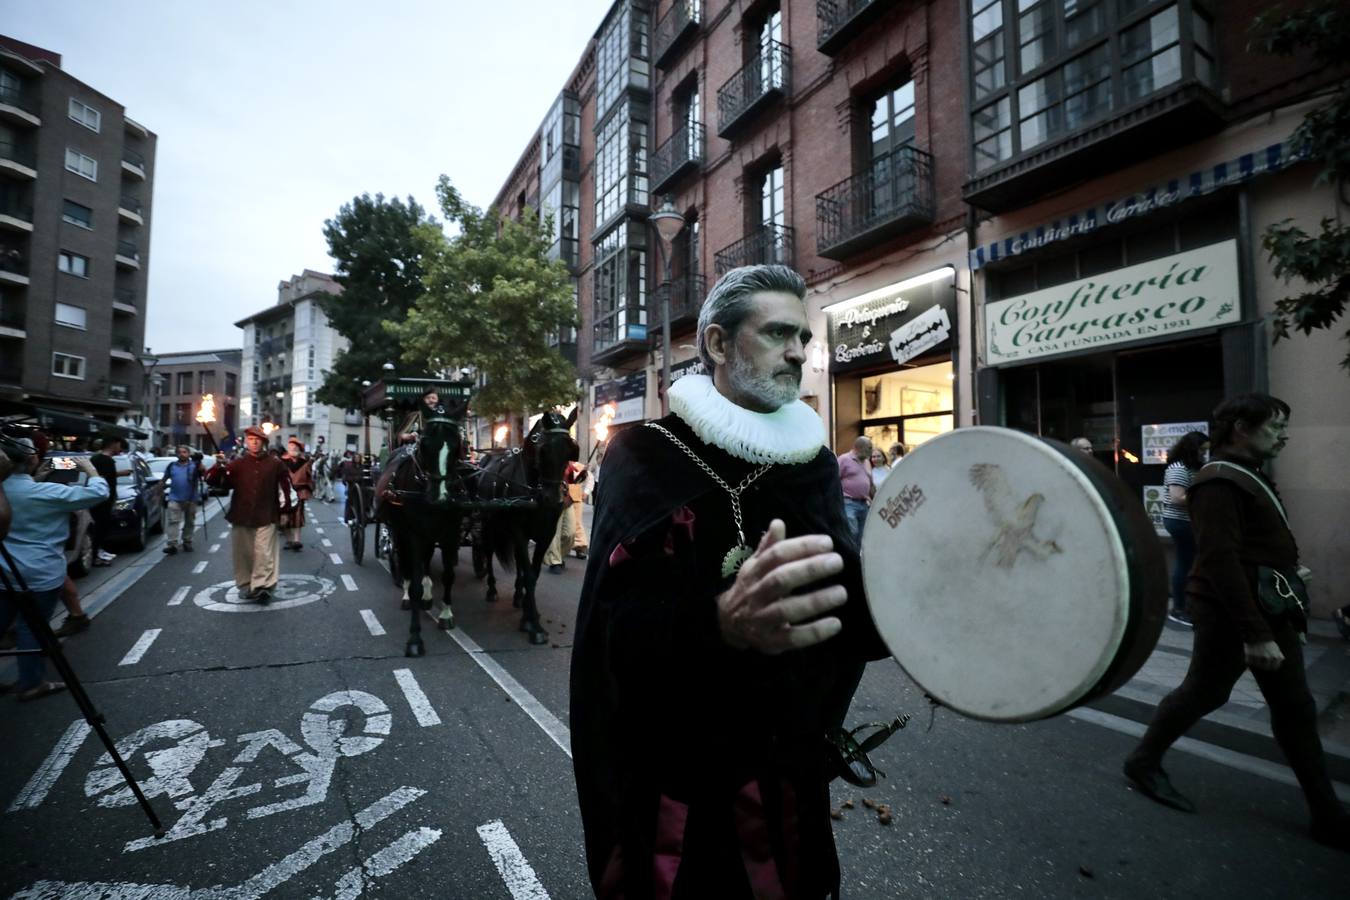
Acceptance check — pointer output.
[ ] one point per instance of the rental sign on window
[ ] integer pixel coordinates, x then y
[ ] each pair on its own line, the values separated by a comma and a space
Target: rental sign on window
1183, 292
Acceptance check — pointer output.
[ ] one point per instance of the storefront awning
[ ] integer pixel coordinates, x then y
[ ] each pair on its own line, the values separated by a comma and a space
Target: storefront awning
65, 422
1176, 190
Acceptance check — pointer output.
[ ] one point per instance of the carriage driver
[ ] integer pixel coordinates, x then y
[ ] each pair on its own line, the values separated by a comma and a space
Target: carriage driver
722, 629
413, 425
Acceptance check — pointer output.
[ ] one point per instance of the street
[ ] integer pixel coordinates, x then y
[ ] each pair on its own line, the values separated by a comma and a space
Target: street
294, 751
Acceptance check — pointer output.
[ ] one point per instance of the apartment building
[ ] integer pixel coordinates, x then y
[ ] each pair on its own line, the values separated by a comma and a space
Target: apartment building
76, 185
287, 350
179, 381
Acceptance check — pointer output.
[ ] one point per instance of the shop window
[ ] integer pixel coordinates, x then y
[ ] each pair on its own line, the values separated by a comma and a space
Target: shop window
910, 406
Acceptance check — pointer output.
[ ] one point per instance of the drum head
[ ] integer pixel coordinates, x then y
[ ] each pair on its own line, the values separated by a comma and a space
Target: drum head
1006, 576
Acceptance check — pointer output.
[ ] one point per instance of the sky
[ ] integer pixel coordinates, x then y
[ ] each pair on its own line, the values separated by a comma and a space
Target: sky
271, 115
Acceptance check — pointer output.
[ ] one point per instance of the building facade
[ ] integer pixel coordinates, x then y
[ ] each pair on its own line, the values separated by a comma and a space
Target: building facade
178, 383
288, 348
1039, 214
76, 185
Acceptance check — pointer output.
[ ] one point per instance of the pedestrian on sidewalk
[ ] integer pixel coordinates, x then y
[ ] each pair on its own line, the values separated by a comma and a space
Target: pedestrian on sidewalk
182, 486
39, 527
300, 466
1242, 540
576, 490
855, 475
260, 499
1185, 458
106, 467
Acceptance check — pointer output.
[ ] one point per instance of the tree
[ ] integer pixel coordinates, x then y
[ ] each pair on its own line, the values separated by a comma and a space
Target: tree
1322, 261
492, 299
379, 265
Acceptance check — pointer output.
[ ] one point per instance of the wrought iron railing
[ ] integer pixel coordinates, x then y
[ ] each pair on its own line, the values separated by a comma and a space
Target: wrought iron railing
767, 244
21, 155
838, 20
683, 148
897, 188
686, 297
764, 76
682, 17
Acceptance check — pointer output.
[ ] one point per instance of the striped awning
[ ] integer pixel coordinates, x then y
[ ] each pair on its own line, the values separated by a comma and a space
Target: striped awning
1176, 190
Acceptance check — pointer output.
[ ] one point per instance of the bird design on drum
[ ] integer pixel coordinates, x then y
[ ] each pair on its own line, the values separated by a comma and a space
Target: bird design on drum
1015, 522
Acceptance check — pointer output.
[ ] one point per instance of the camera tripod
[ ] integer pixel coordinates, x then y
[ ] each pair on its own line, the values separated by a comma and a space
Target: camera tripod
50, 647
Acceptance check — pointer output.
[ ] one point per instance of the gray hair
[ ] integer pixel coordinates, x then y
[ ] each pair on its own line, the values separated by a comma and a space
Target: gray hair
728, 302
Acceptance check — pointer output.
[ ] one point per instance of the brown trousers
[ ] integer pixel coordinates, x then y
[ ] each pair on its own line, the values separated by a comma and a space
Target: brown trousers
257, 556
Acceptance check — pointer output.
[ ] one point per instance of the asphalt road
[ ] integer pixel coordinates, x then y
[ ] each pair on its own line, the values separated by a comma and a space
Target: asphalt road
294, 751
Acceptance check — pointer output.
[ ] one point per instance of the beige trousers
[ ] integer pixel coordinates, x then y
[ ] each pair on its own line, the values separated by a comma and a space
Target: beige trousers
257, 556
579, 541
182, 516
562, 540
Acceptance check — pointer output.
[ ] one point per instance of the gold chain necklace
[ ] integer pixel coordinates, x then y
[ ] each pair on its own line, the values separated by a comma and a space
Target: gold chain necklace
737, 555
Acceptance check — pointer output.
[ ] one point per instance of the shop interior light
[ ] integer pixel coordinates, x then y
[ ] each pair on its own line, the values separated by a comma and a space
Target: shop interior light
938, 274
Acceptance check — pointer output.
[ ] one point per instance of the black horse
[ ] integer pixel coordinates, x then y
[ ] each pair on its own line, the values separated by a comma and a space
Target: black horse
533, 476
418, 498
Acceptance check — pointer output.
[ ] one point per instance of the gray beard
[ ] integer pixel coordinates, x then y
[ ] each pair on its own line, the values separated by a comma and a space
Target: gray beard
763, 389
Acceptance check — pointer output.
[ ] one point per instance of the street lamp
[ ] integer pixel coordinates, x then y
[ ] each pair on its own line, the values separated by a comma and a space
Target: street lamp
668, 222
148, 401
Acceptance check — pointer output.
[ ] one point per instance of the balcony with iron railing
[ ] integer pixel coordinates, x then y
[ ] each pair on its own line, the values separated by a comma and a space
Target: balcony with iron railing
686, 295
128, 255
120, 392
674, 29
18, 160
18, 106
124, 300
12, 317
129, 209
681, 153
133, 162
764, 79
123, 347
16, 213
893, 196
840, 21
13, 264
766, 245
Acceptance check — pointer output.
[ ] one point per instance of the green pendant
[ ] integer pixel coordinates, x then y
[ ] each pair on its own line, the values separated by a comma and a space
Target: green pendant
735, 558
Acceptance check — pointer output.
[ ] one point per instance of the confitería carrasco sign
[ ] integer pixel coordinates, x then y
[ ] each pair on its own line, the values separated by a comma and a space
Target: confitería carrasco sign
1183, 292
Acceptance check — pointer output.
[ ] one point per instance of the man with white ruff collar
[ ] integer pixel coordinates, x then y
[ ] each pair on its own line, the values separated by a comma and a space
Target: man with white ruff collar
722, 629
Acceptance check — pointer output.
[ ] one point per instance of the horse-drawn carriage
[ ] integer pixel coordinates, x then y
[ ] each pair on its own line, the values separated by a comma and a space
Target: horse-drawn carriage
435, 491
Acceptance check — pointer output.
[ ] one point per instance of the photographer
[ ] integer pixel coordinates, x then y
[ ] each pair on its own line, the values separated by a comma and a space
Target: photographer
36, 541
182, 486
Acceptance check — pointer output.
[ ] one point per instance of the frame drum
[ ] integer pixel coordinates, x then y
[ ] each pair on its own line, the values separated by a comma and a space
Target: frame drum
1012, 577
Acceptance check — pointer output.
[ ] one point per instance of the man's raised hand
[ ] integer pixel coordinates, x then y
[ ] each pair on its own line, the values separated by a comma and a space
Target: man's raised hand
760, 612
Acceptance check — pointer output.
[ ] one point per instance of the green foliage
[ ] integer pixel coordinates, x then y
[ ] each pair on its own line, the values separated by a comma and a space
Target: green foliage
379, 265
1320, 30
492, 298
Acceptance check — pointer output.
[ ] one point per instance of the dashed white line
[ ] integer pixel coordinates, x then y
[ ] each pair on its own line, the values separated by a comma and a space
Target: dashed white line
373, 624
337, 560
348, 582
138, 649
327, 542
318, 530
412, 691
199, 568
35, 791
179, 596
510, 862
213, 548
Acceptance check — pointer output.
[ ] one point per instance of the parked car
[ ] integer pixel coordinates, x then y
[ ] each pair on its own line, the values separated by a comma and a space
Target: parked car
139, 506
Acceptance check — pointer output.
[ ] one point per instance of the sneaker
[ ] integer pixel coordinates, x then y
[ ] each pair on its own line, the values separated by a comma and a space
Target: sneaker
263, 596
1180, 617
100, 562
73, 625
579, 554
106, 556
171, 549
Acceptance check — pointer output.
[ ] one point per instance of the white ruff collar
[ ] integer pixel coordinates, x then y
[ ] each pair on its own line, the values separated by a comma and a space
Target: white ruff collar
793, 433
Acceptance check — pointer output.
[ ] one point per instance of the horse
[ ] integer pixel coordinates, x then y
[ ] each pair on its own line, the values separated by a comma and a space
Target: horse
532, 475
417, 499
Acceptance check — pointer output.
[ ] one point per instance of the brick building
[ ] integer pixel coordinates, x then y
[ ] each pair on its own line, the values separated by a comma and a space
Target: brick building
178, 383
76, 180
943, 173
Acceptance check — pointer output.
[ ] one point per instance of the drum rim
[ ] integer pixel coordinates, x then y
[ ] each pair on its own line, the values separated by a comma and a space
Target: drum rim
1103, 668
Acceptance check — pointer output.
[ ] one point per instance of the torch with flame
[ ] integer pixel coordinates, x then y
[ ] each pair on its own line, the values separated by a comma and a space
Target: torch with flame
206, 414
268, 428
607, 413
500, 433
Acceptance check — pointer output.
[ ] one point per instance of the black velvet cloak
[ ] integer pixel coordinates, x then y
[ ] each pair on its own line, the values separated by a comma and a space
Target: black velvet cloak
701, 768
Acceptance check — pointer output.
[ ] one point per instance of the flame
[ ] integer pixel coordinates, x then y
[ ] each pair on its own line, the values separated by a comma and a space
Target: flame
268, 428
206, 413
499, 435
607, 413
1129, 457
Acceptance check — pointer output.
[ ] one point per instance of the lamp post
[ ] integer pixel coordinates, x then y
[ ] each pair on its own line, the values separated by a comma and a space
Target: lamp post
148, 399
668, 222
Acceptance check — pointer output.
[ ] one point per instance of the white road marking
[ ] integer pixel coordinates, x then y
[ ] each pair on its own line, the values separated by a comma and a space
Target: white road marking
199, 568
138, 649
348, 582
510, 862
35, 791
179, 596
213, 548
351, 885
1252, 765
327, 542
318, 530
337, 560
372, 623
421, 706
553, 727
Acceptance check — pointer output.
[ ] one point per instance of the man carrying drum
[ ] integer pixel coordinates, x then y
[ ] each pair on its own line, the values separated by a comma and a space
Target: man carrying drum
722, 629
1246, 598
